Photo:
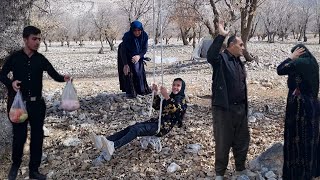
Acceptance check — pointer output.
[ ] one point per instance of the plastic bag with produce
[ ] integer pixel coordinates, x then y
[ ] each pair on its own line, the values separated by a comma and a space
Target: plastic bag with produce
18, 112
69, 100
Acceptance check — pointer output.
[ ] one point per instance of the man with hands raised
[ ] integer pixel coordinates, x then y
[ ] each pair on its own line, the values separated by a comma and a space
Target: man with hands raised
229, 103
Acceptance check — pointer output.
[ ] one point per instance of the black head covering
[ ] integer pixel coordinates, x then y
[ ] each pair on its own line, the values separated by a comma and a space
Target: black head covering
181, 92
307, 66
179, 97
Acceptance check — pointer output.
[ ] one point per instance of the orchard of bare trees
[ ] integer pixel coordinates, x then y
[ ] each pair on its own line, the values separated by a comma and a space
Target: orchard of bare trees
77, 21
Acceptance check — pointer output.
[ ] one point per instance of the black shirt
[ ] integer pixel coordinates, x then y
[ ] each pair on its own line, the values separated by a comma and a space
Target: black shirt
236, 81
28, 70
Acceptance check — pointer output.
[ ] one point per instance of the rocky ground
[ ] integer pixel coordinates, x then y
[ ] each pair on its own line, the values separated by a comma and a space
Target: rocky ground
68, 152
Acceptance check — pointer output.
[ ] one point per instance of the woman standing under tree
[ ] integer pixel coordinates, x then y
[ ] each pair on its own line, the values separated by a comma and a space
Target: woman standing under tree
301, 134
132, 51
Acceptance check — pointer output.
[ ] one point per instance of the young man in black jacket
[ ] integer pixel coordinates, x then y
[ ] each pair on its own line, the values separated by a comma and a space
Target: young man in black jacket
229, 103
27, 67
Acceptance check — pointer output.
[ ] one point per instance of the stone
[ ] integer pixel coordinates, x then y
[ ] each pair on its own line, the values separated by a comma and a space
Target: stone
72, 127
173, 168
270, 174
46, 131
272, 158
50, 175
259, 116
82, 116
193, 148
71, 142
252, 119
243, 177
23, 170
267, 84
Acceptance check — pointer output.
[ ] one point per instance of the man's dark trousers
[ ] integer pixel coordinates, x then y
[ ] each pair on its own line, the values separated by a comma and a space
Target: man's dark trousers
230, 131
36, 115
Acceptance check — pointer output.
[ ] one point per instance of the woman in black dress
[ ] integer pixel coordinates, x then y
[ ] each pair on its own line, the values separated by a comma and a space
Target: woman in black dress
301, 134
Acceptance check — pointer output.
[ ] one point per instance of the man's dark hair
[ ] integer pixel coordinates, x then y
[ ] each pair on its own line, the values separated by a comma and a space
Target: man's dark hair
27, 31
231, 39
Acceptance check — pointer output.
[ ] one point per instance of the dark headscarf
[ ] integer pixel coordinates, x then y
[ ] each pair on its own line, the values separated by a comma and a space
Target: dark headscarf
180, 98
180, 94
135, 45
307, 66
136, 25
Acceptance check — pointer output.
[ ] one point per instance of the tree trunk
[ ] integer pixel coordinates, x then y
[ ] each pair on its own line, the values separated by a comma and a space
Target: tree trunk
319, 34
246, 15
271, 36
13, 18
194, 38
81, 43
45, 44
111, 44
167, 40
184, 36
199, 33
213, 32
301, 34
305, 39
101, 43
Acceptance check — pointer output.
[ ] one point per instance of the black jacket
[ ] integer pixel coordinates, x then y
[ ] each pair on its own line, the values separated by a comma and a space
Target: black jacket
221, 64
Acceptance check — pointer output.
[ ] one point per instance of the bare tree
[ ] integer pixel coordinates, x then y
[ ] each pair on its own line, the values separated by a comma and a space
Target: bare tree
82, 28
247, 14
100, 21
285, 23
43, 17
135, 9
186, 16
317, 16
107, 27
63, 34
14, 15
165, 12
272, 22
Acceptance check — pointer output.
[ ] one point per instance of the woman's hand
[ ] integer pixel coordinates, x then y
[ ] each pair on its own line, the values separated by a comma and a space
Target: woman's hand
164, 93
135, 59
297, 53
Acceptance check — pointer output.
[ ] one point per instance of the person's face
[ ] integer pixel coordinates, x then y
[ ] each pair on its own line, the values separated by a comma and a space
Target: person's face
237, 47
176, 87
137, 32
33, 42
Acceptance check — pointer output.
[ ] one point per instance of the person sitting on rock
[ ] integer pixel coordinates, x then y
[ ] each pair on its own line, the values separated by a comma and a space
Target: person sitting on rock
174, 108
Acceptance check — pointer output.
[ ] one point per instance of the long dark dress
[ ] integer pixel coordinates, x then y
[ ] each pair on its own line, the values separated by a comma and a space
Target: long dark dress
132, 46
301, 134
126, 81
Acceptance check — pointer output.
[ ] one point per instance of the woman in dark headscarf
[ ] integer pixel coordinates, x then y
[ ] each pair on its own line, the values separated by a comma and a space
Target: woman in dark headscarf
174, 107
301, 134
132, 51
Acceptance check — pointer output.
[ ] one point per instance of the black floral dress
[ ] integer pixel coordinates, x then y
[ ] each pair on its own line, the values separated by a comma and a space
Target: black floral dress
301, 134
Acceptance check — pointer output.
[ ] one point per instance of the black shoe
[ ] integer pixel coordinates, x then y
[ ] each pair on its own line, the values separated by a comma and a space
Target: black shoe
37, 175
147, 59
13, 172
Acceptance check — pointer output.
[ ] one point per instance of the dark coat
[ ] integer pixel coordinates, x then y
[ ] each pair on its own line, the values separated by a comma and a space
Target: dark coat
221, 64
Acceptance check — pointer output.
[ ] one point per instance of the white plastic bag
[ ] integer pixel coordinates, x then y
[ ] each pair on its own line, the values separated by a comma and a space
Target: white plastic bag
69, 99
154, 141
18, 112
